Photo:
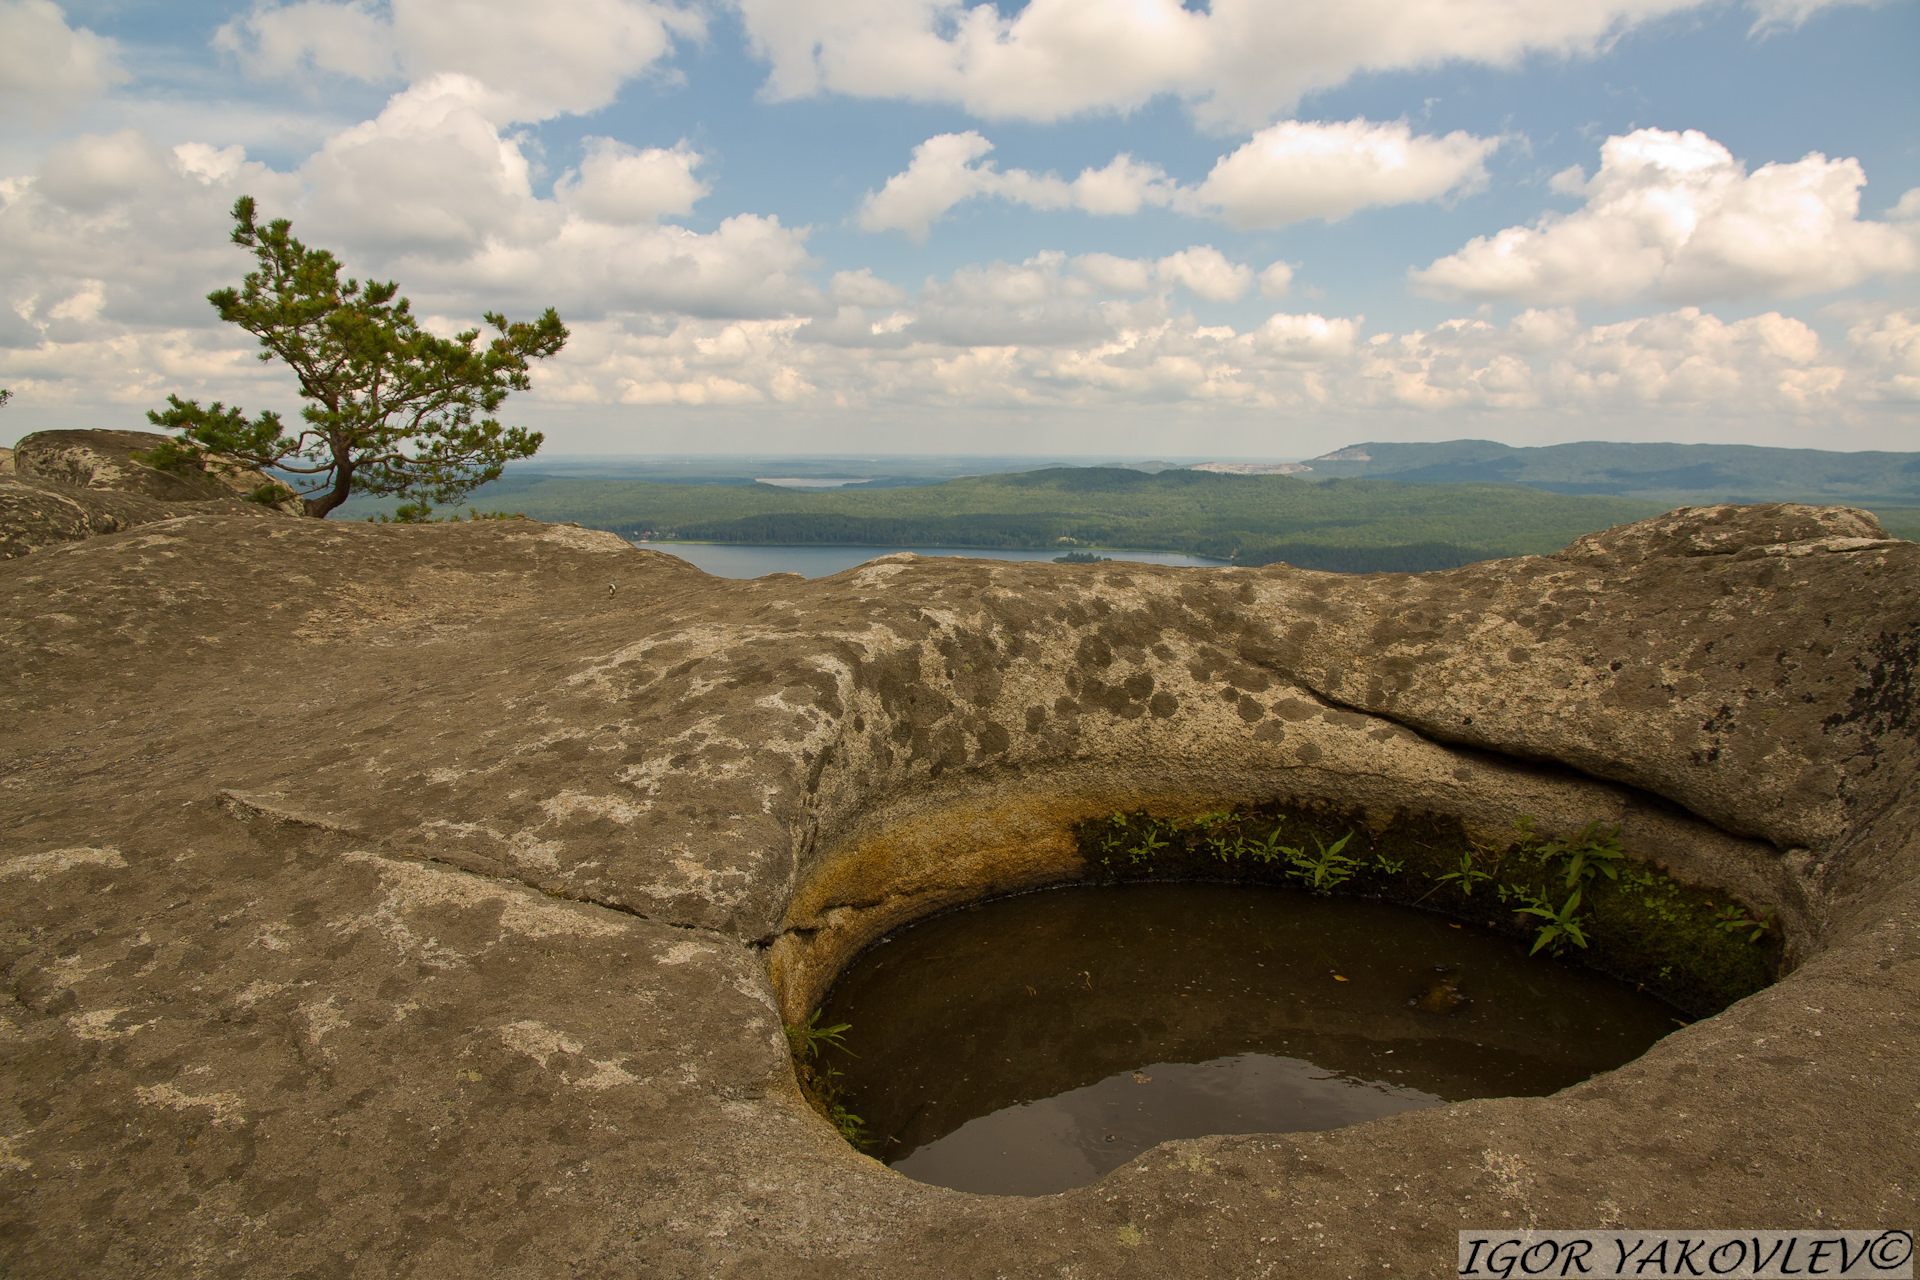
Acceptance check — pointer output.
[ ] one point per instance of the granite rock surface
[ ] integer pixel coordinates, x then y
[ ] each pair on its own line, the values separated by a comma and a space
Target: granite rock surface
63, 486
426, 901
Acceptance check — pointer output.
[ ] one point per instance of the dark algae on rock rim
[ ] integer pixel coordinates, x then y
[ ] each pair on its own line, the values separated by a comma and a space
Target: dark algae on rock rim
1579, 897
1031, 1044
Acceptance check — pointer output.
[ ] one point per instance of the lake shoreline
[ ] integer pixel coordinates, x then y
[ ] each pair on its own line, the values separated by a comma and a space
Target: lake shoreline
817, 560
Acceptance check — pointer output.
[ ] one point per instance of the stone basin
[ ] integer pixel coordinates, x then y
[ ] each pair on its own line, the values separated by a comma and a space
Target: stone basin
427, 901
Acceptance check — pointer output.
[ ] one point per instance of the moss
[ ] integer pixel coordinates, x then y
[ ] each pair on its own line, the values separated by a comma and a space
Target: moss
1581, 898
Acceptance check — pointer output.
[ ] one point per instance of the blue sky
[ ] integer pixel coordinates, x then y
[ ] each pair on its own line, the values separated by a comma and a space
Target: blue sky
1243, 229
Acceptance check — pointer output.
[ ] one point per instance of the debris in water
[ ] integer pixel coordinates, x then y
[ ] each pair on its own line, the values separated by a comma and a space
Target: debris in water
1443, 996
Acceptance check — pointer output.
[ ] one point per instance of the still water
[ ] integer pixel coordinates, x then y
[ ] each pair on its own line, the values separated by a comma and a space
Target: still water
735, 560
1032, 1044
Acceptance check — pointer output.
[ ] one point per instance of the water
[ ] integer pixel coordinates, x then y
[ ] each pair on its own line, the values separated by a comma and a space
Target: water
736, 560
1029, 1045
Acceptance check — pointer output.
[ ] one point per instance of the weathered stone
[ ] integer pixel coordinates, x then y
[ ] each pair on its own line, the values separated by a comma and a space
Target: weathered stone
400, 901
115, 460
62, 486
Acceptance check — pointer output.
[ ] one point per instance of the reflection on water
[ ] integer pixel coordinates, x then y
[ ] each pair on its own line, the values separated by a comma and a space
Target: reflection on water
733, 560
1068, 1140
1032, 1044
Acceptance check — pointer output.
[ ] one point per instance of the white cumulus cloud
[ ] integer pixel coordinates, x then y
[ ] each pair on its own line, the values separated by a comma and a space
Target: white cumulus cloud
618, 184
950, 168
110, 246
1277, 280
1206, 273
1287, 173
1675, 216
539, 60
1298, 170
1132, 361
313, 35
1890, 347
1235, 61
1049, 300
430, 172
46, 66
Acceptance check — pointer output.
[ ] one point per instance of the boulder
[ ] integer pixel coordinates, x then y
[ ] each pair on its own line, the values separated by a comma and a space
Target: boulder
398, 900
121, 461
62, 486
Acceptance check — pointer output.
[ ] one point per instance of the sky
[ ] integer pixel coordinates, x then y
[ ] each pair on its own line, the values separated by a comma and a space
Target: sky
1236, 228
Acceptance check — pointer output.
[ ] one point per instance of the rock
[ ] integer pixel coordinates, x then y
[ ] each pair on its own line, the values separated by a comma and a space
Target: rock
1443, 995
62, 486
115, 460
400, 900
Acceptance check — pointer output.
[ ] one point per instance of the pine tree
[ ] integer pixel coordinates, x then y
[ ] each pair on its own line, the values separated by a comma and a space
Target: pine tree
392, 409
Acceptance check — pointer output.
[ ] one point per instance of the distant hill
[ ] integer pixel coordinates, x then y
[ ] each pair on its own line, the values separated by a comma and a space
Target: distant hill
1357, 525
1667, 474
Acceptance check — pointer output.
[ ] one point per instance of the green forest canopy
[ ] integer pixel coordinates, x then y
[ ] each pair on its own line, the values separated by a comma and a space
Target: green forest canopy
1346, 525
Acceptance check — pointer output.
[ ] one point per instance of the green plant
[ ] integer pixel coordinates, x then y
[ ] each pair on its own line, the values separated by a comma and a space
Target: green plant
808, 1038
1561, 927
1579, 892
1744, 920
1464, 877
1328, 869
819, 1080
1267, 848
393, 408
1596, 849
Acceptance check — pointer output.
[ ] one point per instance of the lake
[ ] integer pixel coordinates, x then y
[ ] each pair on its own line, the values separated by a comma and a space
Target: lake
737, 560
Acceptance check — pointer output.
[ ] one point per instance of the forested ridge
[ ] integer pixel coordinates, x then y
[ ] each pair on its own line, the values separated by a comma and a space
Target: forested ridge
1342, 525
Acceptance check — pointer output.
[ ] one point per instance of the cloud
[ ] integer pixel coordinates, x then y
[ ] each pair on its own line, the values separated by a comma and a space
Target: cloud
312, 36
1298, 170
92, 171
1778, 15
620, 184
567, 56
1206, 273
114, 232
1675, 216
1889, 346
432, 191
1049, 300
1287, 173
1040, 302
114, 238
944, 172
1051, 334
1235, 62
863, 289
1676, 369
430, 173
47, 67
940, 175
